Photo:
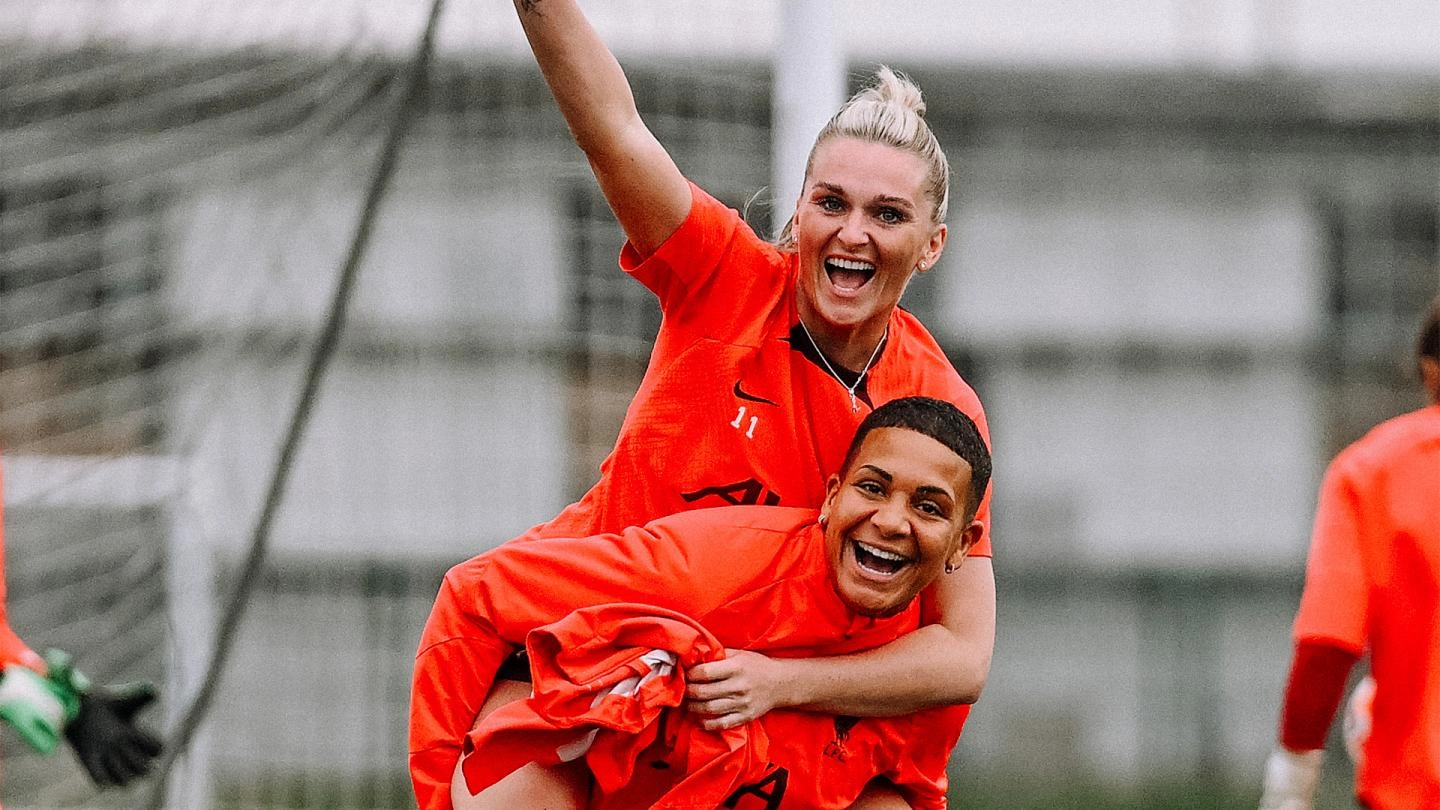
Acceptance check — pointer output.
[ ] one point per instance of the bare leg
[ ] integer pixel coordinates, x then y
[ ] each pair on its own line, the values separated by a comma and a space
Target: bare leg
562, 787
880, 795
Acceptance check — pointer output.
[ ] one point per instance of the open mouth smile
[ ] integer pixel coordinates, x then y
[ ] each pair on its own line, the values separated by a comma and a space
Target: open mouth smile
877, 560
849, 275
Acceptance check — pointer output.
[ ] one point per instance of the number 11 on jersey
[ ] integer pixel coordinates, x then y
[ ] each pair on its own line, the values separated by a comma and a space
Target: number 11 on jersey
740, 420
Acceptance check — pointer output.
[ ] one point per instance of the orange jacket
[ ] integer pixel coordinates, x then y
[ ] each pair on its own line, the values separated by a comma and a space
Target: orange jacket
603, 677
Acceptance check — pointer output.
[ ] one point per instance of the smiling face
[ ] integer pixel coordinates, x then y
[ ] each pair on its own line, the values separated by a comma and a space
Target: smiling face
862, 226
897, 515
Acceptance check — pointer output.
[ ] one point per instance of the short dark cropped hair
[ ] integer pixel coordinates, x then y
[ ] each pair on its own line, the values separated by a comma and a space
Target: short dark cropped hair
942, 422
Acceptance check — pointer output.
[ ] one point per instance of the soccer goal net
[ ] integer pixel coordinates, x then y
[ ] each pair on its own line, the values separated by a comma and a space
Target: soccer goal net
181, 186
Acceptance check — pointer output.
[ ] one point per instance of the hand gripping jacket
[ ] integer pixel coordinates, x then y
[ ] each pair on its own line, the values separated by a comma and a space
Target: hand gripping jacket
604, 677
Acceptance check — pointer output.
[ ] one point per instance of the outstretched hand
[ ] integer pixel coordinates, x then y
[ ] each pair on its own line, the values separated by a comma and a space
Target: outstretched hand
113, 748
735, 690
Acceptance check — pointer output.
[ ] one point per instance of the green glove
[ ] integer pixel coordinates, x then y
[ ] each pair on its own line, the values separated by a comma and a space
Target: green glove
113, 748
37, 707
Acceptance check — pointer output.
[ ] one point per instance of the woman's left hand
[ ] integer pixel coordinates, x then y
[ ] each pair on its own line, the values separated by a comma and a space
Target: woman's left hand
735, 690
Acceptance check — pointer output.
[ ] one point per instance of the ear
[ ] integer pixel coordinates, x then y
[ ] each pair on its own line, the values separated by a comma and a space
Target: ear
832, 489
969, 536
934, 248
799, 202
1430, 376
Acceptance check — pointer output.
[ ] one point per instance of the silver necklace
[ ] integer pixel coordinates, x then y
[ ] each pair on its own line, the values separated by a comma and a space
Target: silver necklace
849, 389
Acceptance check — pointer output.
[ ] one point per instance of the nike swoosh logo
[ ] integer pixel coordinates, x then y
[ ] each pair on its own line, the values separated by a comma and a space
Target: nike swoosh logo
741, 393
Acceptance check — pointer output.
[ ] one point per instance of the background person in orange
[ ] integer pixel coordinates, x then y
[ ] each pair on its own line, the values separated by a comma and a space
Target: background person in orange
767, 359
898, 516
44, 699
1372, 587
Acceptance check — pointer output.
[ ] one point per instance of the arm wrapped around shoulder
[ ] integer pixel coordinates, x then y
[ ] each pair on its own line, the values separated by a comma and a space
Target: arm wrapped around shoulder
1290, 779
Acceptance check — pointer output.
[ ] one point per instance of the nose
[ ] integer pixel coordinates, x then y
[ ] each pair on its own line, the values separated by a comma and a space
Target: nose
852, 229
892, 518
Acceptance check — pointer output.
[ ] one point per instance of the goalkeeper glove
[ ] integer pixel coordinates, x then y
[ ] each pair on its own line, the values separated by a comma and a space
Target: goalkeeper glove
107, 741
1290, 780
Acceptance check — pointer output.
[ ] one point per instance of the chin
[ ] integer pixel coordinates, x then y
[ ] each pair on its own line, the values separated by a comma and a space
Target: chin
877, 608
881, 612
847, 311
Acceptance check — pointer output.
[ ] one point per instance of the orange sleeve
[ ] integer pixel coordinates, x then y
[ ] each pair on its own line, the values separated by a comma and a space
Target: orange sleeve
454, 670
682, 563
1335, 603
12, 649
1313, 693
691, 255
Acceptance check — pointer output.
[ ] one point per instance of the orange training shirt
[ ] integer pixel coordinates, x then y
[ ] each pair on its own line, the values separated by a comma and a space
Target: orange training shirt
1373, 583
733, 409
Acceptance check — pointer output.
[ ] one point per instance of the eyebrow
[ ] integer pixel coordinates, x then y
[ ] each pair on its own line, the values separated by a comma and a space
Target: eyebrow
882, 473
935, 491
923, 490
888, 199
883, 199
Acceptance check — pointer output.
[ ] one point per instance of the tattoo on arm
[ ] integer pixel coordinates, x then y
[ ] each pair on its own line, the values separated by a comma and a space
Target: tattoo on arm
529, 6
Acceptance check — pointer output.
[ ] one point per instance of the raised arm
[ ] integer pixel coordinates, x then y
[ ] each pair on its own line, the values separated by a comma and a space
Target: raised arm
645, 189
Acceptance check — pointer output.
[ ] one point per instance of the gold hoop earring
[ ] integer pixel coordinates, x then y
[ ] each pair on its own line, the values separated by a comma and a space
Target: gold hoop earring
824, 519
